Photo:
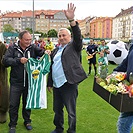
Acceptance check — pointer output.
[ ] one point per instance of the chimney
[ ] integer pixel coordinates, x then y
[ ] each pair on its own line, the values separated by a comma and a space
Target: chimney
122, 10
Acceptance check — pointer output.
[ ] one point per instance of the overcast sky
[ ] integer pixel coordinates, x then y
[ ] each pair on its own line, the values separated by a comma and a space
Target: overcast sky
84, 8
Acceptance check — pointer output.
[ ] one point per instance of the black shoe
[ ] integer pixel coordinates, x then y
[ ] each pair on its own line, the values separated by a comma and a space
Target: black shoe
28, 126
12, 130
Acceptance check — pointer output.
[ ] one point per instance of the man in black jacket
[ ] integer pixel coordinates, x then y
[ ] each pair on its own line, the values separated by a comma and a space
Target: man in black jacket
66, 73
125, 120
15, 57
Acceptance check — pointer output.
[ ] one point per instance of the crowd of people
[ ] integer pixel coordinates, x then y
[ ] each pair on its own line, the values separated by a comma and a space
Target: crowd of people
93, 49
41, 42
63, 77
65, 74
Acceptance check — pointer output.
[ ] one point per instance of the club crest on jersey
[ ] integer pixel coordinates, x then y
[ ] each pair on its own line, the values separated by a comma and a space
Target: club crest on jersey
35, 74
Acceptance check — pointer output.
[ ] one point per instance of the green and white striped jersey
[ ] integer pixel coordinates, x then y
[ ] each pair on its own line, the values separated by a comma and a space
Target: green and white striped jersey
37, 70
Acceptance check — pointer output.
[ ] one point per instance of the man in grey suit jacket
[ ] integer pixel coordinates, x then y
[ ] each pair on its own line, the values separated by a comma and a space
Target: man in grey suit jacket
66, 73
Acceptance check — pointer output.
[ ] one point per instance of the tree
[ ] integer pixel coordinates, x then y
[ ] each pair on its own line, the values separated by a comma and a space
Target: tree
52, 33
8, 28
17, 31
69, 28
42, 34
29, 29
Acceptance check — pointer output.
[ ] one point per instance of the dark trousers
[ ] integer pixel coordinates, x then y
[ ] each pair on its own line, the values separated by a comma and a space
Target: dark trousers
66, 96
14, 102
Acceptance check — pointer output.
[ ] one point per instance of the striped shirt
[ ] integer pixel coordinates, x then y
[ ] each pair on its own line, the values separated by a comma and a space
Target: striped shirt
37, 70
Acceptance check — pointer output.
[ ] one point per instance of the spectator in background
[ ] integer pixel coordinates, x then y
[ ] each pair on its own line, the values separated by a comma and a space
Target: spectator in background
5, 44
91, 51
58, 44
49, 44
37, 43
101, 59
101, 62
10, 43
42, 44
104, 48
15, 41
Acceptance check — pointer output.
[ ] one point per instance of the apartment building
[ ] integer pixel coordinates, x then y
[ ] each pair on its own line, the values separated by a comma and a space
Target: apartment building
85, 26
120, 27
107, 27
82, 25
101, 27
43, 20
41, 23
96, 27
27, 20
50, 19
12, 18
123, 25
59, 21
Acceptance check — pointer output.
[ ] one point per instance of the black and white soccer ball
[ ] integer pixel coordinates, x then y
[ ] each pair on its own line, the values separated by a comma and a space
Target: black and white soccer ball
118, 51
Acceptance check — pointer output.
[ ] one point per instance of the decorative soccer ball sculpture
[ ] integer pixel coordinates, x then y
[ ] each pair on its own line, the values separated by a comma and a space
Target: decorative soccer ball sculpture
118, 52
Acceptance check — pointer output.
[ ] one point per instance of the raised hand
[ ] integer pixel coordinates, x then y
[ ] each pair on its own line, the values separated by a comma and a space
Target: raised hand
69, 13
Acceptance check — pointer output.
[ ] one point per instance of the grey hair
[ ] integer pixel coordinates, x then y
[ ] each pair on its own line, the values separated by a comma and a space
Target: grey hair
20, 36
64, 29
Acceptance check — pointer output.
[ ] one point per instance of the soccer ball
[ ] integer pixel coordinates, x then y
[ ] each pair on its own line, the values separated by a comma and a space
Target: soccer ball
118, 51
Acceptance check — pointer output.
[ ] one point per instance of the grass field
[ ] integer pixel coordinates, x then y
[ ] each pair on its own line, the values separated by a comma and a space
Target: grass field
94, 115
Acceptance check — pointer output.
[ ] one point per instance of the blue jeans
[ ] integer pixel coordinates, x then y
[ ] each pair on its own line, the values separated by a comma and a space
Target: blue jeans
125, 122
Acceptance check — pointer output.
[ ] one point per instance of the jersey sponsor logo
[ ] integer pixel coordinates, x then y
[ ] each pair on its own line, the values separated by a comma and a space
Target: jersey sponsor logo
35, 74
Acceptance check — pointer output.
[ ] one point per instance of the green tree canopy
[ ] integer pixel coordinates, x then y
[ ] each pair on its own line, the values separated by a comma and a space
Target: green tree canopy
29, 29
42, 34
8, 28
52, 33
69, 28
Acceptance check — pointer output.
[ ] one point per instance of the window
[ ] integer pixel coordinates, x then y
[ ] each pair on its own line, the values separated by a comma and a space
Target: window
28, 19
